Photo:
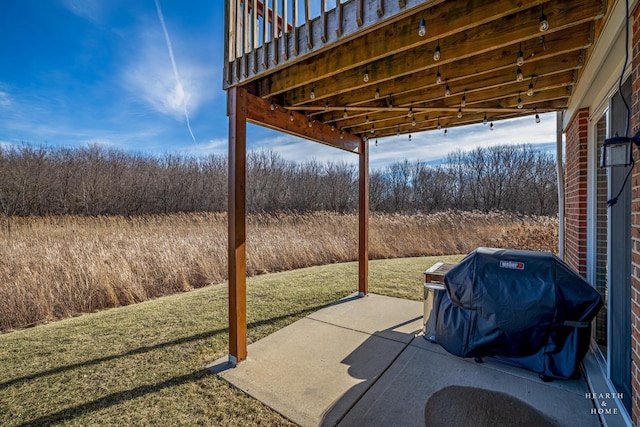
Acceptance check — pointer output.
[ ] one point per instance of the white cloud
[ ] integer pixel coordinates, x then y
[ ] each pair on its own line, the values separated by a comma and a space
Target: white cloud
5, 101
149, 75
213, 146
91, 10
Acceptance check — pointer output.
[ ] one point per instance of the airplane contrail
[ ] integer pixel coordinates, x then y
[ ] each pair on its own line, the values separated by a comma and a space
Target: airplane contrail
175, 68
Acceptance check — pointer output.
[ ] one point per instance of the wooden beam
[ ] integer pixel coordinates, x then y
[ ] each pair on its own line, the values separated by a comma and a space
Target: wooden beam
480, 32
237, 111
397, 37
348, 88
259, 112
363, 219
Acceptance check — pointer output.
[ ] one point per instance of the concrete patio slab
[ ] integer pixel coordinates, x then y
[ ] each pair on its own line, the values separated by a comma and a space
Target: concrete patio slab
314, 370
399, 396
359, 362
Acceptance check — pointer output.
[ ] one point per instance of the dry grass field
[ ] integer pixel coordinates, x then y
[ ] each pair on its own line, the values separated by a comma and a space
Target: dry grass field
57, 267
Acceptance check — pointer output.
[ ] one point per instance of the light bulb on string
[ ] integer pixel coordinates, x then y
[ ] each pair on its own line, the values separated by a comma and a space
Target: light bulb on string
436, 53
447, 91
438, 77
530, 90
326, 105
544, 24
366, 119
373, 129
520, 60
398, 132
376, 142
484, 120
520, 105
409, 137
377, 93
365, 77
290, 116
460, 112
438, 126
272, 106
491, 126
537, 118
344, 113
422, 28
519, 75
463, 102
445, 132
312, 95
410, 113
413, 122
333, 127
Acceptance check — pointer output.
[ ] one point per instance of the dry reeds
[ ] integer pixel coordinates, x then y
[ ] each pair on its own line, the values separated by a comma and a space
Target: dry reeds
56, 267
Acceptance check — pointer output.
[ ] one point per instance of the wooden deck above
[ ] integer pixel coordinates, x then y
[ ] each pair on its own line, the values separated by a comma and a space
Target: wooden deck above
362, 69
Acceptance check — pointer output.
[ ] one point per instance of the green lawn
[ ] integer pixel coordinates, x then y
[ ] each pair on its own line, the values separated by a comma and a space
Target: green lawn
145, 364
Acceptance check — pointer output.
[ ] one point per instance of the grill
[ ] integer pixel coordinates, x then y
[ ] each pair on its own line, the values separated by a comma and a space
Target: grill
528, 308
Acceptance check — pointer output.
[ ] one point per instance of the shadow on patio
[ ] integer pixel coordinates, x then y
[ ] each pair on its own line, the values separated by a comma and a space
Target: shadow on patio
362, 362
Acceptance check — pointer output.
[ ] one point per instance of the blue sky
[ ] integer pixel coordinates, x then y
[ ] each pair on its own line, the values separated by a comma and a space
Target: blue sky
146, 76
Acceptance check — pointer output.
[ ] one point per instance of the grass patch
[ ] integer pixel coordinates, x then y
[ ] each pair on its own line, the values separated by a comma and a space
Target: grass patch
144, 364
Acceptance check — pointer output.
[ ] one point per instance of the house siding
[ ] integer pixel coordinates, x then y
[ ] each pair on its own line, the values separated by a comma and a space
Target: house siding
635, 223
575, 249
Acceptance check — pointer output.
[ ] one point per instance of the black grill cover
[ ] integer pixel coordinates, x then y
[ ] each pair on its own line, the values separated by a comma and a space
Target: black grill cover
526, 307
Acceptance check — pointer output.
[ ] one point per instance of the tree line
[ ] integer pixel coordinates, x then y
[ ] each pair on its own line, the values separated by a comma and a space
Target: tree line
95, 180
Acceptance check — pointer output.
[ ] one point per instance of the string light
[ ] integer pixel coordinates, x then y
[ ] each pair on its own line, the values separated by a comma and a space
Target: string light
312, 95
530, 90
290, 116
537, 118
376, 142
333, 127
344, 113
398, 132
372, 129
390, 103
491, 126
544, 24
410, 113
520, 60
413, 122
460, 112
438, 126
447, 91
445, 132
436, 53
422, 28
409, 137
326, 105
484, 120
272, 105
438, 77
366, 75
519, 75
377, 92
520, 105
309, 121
463, 102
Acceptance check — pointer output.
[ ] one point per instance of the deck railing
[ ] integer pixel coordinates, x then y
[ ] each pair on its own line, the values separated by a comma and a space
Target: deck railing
264, 34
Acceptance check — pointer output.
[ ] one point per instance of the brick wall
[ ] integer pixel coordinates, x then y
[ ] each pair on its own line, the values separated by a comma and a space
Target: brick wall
635, 223
575, 245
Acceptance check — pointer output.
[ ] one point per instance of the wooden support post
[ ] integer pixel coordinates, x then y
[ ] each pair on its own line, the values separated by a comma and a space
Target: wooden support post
237, 111
363, 219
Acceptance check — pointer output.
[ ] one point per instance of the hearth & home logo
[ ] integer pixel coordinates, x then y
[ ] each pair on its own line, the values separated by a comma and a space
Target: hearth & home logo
604, 403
